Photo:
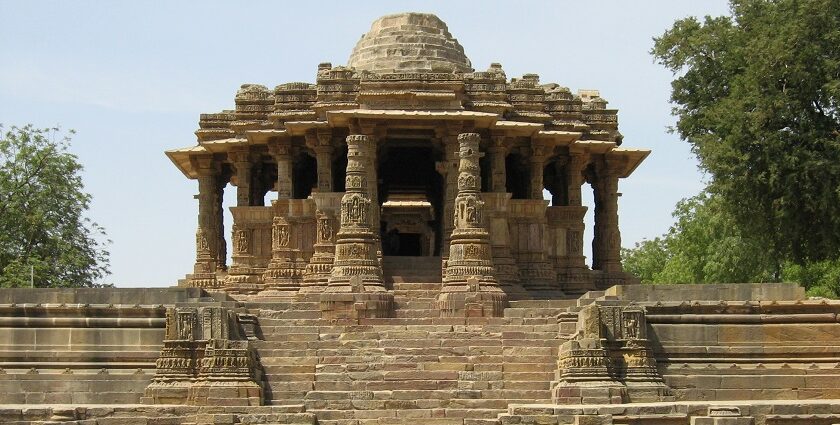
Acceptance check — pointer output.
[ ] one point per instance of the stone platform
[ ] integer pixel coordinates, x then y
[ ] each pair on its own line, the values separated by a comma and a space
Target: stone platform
671, 353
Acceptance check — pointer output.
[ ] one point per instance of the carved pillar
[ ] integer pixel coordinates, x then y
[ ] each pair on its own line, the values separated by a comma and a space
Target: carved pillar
219, 222
537, 162
469, 286
323, 156
242, 163
355, 288
566, 226
206, 236
574, 177
448, 168
282, 153
606, 247
498, 173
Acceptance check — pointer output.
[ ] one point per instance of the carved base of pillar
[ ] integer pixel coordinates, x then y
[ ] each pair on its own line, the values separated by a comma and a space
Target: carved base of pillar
356, 304
576, 280
604, 280
166, 393
282, 278
606, 392
243, 281
648, 392
201, 280
472, 303
210, 393
539, 279
507, 273
317, 275
643, 381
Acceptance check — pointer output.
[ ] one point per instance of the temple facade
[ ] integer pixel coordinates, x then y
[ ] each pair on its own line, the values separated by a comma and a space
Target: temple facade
407, 151
394, 262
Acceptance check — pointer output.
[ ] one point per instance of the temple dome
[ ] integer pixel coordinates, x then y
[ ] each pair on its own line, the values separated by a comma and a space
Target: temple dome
409, 42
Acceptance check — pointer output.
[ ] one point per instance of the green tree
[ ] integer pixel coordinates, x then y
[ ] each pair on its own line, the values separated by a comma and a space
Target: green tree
704, 246
42, 206
757, 95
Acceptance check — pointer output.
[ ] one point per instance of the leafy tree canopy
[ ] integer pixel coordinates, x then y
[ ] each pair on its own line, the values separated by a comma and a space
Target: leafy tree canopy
705, 245
42, 205
757, 95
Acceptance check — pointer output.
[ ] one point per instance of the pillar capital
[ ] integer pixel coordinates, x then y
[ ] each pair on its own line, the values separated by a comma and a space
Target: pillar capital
206, 165
280, 147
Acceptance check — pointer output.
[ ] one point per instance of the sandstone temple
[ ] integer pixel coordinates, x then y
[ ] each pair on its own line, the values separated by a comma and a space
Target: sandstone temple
393, 260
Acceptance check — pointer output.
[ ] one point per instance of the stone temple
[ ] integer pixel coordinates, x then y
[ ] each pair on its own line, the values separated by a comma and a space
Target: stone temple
393, 261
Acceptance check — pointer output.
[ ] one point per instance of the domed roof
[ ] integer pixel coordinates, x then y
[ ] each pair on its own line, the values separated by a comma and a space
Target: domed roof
409, 42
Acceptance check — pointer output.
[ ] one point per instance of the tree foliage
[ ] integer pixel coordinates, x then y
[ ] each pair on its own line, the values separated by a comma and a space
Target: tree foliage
42, 206
757, 95
705, 245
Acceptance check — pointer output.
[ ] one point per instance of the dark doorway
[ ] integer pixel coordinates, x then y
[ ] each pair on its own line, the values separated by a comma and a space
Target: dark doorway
411, 195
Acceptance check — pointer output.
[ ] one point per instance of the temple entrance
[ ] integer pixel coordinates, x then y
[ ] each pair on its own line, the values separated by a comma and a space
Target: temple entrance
411, 197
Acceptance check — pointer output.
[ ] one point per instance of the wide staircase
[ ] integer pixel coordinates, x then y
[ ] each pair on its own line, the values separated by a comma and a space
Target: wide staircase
415, 367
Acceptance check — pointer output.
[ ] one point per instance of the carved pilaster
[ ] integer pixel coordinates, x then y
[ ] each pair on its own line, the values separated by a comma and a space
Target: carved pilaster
565, 232
507, 272
282, 278
323, 156
448, 168
355, 288
539, 152
318, 270
469, 286
498, 172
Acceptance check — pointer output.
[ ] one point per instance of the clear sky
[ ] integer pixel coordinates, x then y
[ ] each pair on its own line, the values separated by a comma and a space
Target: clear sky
132, 78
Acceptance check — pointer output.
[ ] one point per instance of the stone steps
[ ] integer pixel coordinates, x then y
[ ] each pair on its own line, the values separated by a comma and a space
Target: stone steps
412, 367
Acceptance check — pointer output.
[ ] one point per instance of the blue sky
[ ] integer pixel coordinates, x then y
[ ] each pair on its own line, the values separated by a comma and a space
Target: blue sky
132, 78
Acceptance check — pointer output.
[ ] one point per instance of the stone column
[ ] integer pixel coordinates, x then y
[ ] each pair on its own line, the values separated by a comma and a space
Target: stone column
606, 246
206, 236
242, 163
537, 161
355, 288
448, 168
317, 272
570, 263
574, 178
469, 286
282, 153
323, 156
498, 172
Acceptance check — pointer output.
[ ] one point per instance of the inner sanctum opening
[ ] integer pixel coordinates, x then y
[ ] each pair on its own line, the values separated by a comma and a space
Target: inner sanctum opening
410, 194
